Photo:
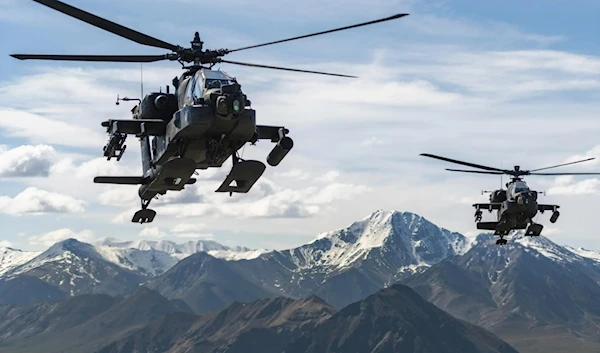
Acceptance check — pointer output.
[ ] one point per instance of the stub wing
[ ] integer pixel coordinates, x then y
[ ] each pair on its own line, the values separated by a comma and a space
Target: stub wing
152, 127
272, 133
488, 206
548, 207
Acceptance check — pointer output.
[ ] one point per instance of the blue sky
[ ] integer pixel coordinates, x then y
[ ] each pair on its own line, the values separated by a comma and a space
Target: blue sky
500, 83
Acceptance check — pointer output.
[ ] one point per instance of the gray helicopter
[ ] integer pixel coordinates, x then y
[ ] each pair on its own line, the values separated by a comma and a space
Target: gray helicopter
204, 122
516, 205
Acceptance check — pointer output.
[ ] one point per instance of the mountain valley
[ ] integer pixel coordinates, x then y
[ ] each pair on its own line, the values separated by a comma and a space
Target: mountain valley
532, 293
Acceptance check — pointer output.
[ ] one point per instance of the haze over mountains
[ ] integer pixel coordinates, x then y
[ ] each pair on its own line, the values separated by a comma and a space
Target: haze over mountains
532, 293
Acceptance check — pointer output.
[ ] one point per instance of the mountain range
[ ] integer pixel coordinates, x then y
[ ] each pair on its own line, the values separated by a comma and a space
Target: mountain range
532, 293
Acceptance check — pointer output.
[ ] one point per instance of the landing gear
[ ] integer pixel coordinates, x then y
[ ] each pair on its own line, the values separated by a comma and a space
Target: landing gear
501, 241
244, 173
534, 230
145, 215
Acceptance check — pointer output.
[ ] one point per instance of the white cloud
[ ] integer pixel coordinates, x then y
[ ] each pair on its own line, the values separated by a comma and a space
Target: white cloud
594, 152
35, 201
584, 187
191, 235
187, 227
329, 177
551, 231
39, 129
183, 230
26, 161
294, 173
55, 236
456, 97
151, 232
5, 244
266, 200
373, 141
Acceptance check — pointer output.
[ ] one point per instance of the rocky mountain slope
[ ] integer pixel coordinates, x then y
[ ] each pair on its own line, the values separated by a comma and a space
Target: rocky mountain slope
206, 284
341, 266
392, 320
78, 268
80, 324
109, 266
265, 326
525, 292
397, 319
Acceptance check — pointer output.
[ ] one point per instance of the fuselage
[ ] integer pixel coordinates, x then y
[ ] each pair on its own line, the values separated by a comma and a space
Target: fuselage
208, 121
212, 121
518, 206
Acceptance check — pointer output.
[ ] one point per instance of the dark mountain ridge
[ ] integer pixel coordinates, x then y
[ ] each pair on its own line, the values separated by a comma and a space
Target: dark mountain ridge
527, 286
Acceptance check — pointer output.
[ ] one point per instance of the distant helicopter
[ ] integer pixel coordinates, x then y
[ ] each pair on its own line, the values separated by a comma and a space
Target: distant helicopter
517, 204
207, 120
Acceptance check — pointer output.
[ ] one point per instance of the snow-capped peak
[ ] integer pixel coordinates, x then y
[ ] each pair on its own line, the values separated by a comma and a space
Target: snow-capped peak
402, 239
179, 250
155, 257
541, 246
589, 254
11, 258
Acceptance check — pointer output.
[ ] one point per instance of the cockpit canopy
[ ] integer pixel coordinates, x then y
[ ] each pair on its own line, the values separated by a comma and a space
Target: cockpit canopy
215, 79
202, 81
516, 188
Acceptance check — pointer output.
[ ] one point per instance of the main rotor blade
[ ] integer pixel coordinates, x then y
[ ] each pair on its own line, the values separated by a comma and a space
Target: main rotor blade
475, 171
564, 173
107, 25
562, 165
282, 68
110, 58
464, 163
324, 32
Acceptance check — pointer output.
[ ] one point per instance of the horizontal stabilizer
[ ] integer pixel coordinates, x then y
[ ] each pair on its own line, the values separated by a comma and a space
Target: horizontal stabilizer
123, 180
127, 180
487, 225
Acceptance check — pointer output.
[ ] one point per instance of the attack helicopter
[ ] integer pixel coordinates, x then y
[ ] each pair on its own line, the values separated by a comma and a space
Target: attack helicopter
204, 122
517, 205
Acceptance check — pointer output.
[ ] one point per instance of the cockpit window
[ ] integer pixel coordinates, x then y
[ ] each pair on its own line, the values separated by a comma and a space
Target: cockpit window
215, 83
517, 188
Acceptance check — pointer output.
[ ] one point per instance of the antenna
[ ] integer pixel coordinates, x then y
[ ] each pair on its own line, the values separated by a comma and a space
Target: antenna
501, 181
142, 79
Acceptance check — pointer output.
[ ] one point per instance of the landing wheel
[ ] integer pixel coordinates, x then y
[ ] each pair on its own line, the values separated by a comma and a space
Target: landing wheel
501, 241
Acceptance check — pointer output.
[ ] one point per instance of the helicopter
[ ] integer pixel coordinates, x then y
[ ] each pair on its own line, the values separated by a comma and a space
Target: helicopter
207, 120
517, 205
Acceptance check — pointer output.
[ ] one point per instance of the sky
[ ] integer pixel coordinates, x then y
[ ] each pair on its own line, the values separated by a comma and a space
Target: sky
496, 83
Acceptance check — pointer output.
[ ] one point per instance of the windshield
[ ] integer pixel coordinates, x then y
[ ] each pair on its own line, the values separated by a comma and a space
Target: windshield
215, 83
516, 188
520, 187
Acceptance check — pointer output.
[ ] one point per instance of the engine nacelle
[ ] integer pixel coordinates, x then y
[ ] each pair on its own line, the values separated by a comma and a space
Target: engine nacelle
498, 196
159, 106
280, 150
